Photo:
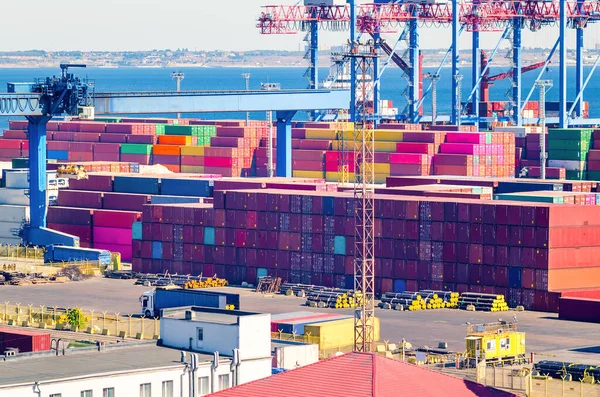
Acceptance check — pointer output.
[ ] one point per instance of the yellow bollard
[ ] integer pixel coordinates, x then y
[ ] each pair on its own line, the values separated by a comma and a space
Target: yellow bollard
156, 329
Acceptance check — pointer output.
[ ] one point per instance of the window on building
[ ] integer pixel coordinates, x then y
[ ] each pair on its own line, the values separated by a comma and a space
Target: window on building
108, 392
87, 393
167, 388
203, 386
223, 381
145, 390
200, 332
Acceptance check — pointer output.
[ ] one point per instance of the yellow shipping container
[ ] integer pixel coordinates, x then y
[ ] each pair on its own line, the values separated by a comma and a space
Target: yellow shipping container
380, 135
193, 169
389, 147
336, 334
335, 177
197, 151
381, 168
308, 174
320, 133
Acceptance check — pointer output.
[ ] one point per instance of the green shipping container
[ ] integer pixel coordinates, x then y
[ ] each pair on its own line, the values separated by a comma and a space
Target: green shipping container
593, 175
108, 119
563, 144
555, 154
21, 162
529, 198
136, 231
160, 129
339, 245
576, 175
581, 134
135, 148
209, 235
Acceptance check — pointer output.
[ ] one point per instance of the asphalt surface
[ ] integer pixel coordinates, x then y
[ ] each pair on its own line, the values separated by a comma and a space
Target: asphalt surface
562, 340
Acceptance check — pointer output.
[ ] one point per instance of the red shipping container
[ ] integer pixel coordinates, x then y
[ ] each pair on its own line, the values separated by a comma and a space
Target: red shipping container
24, 341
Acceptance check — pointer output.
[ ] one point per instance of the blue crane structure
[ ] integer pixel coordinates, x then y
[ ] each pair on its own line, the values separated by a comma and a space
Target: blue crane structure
64, 95
475, 16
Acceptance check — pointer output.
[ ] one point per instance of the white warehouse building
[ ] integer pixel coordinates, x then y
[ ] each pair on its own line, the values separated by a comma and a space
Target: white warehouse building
202, 351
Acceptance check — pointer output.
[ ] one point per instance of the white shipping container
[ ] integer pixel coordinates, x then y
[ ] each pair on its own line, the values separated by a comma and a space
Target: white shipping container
520, 132
11, 241
13, 213
18, 179
569, 165
8, 229
18, 197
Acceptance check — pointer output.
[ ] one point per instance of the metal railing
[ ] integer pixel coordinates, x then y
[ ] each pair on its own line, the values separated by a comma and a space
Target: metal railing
96, 322
326, 348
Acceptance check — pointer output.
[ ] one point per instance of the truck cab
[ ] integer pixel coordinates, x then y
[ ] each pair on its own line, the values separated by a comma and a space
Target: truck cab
147, 301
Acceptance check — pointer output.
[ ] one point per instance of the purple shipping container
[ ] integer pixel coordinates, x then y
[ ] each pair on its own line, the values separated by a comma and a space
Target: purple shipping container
125, 202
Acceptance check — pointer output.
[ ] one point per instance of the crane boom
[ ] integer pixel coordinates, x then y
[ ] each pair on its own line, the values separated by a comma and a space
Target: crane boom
509, 74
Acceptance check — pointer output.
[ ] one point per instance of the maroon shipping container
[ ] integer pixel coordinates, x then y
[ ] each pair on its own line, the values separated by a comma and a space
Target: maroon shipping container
579, 309
103, 183
25, 341
125, 201
84, 199
70, 216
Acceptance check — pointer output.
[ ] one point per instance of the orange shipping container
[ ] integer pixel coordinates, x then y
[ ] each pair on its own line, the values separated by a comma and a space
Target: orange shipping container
175, 140
169, 150
559, 279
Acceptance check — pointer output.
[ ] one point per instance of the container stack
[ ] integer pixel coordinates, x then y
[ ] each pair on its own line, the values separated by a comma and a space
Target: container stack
12, 218
523, 251
568, 148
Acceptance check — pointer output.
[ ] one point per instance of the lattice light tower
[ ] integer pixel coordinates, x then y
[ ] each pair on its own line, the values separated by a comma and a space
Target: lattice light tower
178, 77
362, 57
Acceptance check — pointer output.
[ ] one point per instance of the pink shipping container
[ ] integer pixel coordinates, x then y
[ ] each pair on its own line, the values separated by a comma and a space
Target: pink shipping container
111, 235
25, 341
118, 219
123, 249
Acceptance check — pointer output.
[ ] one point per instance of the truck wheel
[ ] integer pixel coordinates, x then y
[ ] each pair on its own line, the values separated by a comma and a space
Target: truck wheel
148, 314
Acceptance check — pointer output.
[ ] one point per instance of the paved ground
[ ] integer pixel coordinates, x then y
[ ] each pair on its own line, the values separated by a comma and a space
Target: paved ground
570, 341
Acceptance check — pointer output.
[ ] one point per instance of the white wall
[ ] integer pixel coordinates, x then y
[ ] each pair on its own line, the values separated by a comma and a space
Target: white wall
126, 384
255, 336
293, 356
217, 337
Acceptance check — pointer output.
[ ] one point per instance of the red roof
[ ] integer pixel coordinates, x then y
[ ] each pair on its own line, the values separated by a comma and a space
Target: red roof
362, 375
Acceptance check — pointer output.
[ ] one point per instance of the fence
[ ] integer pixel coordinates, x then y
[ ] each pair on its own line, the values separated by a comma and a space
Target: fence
103, 323
19, 252
549, 387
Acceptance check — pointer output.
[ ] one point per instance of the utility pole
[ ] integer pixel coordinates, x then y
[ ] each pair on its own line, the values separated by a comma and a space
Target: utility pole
434, 79
178, 77
542, 84
458, 110
246, 76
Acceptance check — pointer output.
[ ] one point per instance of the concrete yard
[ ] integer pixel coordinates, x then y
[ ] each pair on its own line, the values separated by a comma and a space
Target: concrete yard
569, 341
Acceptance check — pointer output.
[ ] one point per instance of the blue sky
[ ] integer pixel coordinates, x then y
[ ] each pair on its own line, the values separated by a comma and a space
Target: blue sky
194, 24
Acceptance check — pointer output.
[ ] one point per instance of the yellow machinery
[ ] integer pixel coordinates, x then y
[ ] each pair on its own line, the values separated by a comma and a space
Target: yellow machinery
496, 343
71, 172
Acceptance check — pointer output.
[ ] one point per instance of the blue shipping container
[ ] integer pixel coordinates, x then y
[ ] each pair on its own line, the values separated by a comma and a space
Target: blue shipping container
349, 284
57, 253
399, 286
58, 155
514, 277
328, 206
175, 200
515, 187
136, 231
209, 235
339, 245
156, 250
187, 187
134, 184
261, 272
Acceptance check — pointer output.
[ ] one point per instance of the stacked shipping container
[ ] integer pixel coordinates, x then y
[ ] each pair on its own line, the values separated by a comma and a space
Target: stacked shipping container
518, 250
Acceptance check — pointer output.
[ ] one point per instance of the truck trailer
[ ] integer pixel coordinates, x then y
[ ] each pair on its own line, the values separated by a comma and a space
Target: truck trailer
155, 300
